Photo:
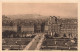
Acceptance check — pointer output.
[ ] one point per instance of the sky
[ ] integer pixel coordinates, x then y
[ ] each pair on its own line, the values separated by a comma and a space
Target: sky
47, 9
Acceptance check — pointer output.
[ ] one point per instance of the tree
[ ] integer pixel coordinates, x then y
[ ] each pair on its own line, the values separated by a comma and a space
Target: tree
56, 35
64, 35
8, 33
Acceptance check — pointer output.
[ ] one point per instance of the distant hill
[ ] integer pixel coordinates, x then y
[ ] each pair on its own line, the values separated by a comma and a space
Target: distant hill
30, 19
27, 16
25, 19
34, 16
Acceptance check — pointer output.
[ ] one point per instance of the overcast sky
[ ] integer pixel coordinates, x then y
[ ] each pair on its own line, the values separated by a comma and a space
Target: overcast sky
54, 9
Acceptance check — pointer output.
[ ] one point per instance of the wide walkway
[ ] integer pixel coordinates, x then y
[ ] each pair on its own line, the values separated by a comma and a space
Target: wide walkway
35, 43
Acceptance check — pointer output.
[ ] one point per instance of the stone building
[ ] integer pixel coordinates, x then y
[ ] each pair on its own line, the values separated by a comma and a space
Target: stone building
51, 25
63, 26
69, 26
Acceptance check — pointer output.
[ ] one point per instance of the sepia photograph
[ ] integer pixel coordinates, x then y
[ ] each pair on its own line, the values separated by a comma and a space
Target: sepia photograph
40, 26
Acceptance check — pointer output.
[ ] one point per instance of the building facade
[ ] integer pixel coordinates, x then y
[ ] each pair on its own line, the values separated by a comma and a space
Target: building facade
69, 26
51, 26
